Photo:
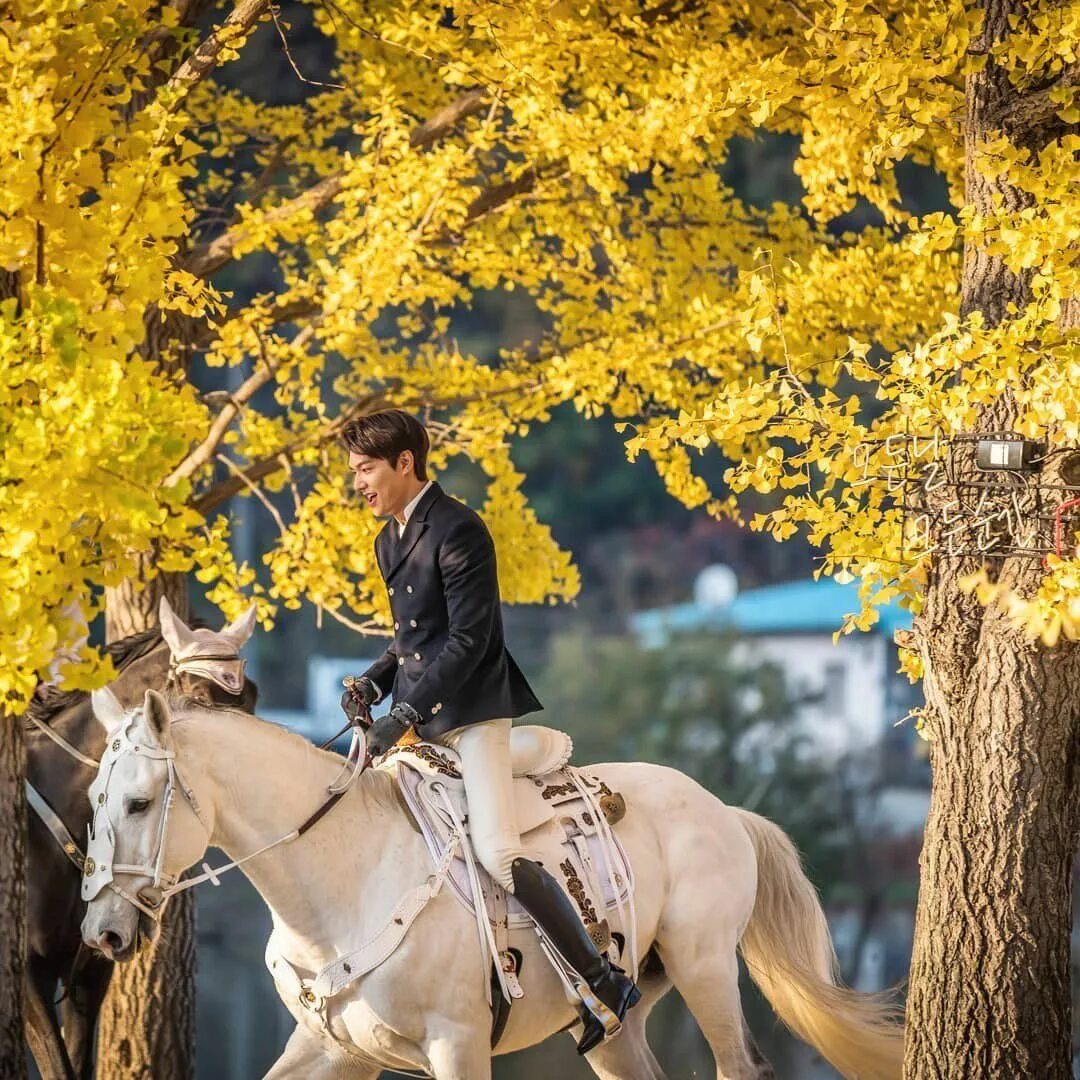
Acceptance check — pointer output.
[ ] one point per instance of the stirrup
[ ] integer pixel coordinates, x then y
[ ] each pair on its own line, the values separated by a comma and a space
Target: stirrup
611, 1024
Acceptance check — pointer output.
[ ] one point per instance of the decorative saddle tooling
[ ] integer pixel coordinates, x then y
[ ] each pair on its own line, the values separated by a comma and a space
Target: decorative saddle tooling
557, 808
564, 817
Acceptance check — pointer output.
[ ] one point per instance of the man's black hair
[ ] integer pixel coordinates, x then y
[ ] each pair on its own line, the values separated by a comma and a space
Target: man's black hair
386, 434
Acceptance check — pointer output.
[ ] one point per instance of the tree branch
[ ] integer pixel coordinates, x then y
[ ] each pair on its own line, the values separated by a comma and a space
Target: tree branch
214, 496
238, 398
491, 199
1026, 114
206, 259
284, 311
447, 118
205, 58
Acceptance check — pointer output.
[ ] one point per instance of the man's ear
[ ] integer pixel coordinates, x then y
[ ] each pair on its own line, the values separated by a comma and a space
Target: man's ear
157, 718
405, 460
108, 711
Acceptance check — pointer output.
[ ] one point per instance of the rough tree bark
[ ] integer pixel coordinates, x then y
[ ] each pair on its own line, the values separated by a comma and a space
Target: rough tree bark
12, 897
147, 1029
12, 862
990, 978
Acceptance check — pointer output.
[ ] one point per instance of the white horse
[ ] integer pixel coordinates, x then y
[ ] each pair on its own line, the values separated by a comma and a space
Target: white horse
710, 879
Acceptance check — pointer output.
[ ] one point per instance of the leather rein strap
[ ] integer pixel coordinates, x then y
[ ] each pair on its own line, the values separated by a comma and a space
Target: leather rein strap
64, 745
357, 760
51, 820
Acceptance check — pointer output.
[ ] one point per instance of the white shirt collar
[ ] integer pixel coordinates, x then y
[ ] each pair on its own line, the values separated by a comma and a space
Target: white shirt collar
410, 506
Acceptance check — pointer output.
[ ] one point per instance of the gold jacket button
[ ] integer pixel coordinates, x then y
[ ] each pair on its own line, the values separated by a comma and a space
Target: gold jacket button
401, 661
412, 622
397, 625
391, 590
416, 656
408, 588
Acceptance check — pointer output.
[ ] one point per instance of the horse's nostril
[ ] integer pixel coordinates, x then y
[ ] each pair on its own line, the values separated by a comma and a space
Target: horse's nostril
112, 940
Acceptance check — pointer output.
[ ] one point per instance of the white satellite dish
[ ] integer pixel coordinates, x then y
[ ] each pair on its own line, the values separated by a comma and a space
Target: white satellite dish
716, 586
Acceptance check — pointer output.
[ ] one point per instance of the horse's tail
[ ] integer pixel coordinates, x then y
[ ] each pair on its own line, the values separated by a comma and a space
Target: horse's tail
789, 954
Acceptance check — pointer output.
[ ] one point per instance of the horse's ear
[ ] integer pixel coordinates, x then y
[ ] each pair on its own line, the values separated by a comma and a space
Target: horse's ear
157, 718
108, 711
173, 629
239, 631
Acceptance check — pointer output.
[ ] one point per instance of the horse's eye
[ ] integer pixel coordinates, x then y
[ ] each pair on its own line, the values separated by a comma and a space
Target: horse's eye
137, 806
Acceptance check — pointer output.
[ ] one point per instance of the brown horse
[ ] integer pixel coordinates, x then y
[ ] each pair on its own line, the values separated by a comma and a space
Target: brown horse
175, 656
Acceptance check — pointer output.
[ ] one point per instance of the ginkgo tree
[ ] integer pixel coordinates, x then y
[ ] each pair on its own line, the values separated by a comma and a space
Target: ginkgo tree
570, 150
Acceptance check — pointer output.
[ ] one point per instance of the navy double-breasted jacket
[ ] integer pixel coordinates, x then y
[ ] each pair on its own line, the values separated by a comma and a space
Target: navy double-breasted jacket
448, 659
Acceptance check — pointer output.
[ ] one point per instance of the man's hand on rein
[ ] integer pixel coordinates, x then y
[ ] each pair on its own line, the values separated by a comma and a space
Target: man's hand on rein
358, 697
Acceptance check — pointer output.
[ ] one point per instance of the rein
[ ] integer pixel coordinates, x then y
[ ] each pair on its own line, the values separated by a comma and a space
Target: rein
100, 869
64, 745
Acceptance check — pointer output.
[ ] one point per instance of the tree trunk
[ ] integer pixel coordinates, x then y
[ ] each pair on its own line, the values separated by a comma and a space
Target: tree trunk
12, 897
147, 1029
990, 975
12, 861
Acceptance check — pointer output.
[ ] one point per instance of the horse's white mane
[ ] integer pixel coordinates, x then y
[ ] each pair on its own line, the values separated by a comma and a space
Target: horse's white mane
374, 782
182, 708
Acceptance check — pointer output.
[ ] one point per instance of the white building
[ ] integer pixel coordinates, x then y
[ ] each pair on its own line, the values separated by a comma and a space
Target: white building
851, 695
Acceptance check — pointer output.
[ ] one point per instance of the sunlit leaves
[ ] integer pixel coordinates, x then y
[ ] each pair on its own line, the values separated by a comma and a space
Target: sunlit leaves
588, 182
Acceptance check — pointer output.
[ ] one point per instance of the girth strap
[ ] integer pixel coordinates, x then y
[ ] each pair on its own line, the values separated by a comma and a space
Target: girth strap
52, 822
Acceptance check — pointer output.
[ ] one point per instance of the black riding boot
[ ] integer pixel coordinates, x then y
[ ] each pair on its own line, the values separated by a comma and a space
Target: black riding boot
539, 893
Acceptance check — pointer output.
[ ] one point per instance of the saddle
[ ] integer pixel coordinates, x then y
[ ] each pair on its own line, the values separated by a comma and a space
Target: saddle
564, 816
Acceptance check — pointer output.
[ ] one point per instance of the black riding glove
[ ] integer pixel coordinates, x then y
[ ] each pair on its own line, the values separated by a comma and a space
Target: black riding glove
358, 693
389, 728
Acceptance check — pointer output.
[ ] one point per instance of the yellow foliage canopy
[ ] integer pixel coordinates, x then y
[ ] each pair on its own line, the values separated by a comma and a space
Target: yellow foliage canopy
568, 150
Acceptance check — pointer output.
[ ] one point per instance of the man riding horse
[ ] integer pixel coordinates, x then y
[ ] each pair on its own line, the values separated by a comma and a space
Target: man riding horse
453, 680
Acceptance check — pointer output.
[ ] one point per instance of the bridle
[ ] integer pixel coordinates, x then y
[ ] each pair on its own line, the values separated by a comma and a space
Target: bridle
100, 868
226, 669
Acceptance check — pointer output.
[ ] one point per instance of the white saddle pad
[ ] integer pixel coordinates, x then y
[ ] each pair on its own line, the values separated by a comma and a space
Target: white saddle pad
558, 826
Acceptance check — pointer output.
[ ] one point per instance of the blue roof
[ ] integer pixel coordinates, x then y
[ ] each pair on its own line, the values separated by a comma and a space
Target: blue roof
805, 606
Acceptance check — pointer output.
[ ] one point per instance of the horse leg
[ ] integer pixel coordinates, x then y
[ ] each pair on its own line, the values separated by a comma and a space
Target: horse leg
761, 1062
706, 974
456, 1053
627, 1056
308, 1057
39, 1021
80, 1008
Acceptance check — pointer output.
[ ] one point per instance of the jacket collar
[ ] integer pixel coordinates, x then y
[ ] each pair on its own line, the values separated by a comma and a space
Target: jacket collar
395, 549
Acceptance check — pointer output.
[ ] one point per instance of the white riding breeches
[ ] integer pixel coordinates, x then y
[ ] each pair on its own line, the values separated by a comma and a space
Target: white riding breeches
484, 750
